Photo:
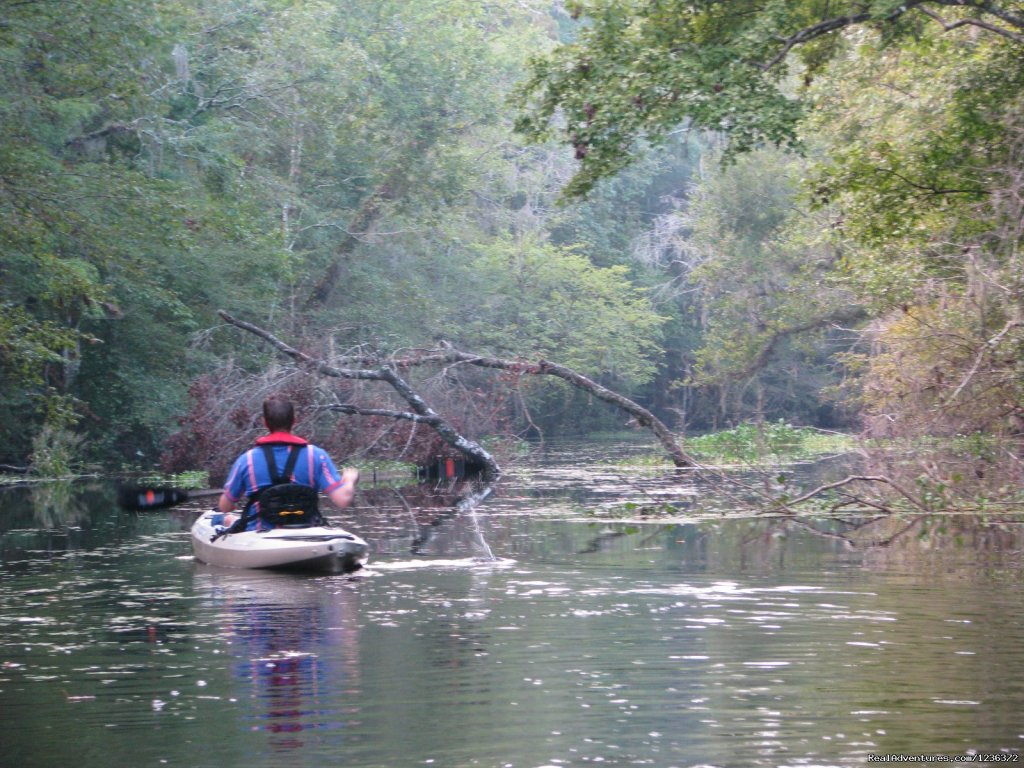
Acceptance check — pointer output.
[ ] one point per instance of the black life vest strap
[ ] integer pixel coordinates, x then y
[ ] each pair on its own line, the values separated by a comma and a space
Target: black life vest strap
289, 465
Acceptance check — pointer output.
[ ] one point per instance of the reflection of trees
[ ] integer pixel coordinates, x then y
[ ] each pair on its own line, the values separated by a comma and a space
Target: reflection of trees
53, 517
925, 544
918, 543
58, 504
944, 544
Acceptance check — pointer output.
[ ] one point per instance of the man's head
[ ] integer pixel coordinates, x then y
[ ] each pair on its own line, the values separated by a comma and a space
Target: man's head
278, 413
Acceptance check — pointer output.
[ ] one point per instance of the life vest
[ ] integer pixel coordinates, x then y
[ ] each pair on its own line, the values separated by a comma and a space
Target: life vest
282, 503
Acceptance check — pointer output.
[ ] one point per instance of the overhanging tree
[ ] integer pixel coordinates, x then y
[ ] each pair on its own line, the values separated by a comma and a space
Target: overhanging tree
643, 69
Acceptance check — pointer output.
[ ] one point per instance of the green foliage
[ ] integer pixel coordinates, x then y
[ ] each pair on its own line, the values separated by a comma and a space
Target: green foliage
918, 154
26, 344
640, 70
761, 268
539, 301
752, 443
56, 453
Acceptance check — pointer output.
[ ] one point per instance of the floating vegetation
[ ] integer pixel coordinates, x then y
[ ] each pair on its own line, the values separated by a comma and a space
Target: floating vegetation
189, 480
631, 510
757, 444
754, 443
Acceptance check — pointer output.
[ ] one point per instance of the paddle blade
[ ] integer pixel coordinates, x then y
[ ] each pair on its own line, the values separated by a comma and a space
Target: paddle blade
143, 498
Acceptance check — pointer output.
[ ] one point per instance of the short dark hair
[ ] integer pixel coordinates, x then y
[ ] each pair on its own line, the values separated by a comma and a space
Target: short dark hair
279, 413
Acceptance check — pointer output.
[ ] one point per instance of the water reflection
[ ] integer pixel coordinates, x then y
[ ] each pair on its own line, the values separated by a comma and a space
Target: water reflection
717, 641
52, 522
294, 644
419, 520
49, 505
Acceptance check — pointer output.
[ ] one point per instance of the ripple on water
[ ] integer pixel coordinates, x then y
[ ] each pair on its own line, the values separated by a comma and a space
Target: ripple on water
590, 648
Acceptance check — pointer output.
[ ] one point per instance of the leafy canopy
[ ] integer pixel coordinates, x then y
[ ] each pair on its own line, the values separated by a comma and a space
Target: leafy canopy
644, 68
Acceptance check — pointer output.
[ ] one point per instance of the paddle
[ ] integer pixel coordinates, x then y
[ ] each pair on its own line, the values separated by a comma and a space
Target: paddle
142, 498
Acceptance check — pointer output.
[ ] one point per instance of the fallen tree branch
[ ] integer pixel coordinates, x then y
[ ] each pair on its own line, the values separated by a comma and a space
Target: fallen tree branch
319, 366
424, 413
387, 371
355, 410
545, 367
853, 479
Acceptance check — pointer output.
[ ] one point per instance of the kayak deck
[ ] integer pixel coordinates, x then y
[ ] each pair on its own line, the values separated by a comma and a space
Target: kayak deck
313, 548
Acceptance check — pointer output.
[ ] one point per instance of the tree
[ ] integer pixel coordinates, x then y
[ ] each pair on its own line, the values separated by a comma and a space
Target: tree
66, 197
763, 272
924, 161
532, 300
120, 219
641, 70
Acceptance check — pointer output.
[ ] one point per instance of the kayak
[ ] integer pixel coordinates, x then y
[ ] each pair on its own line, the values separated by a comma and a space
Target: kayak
308, 548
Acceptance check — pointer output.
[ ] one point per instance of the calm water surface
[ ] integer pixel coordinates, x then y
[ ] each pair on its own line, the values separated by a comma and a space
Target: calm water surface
720, 642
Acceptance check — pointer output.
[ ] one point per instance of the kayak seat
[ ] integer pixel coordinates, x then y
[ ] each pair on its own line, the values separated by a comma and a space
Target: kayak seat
290, 505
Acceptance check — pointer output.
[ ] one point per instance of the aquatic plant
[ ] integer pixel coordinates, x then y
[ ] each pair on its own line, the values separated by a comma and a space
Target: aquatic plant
753, 443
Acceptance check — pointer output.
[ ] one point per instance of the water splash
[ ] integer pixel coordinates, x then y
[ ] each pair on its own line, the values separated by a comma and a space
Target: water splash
469, 505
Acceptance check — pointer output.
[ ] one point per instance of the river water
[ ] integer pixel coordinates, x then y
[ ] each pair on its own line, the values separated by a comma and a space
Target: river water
538, 631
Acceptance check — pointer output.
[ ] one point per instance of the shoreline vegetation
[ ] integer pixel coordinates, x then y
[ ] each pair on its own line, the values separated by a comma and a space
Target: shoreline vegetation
753, 467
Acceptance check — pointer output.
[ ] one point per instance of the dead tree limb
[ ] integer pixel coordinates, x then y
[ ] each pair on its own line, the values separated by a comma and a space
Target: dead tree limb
643, 417
421, 411
386, 369
319, 366
545, 367
356, 410
853, 479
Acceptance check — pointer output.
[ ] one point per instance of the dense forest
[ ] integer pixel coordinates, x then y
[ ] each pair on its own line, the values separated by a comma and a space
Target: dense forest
728, 211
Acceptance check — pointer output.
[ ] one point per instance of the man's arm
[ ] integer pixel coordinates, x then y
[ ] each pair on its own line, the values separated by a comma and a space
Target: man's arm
342, 495
234, 486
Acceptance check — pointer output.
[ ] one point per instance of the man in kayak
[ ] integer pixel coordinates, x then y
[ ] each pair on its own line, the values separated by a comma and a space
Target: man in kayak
303, 463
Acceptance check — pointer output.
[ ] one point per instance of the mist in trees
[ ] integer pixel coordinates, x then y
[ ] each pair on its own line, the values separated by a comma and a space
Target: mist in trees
891, 230
807, 212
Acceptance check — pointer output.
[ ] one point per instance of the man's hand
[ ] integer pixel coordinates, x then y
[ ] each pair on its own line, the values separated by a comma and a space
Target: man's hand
343, 494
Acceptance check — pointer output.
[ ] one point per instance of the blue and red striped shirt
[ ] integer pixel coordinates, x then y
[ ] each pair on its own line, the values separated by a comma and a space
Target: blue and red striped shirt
250, 471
